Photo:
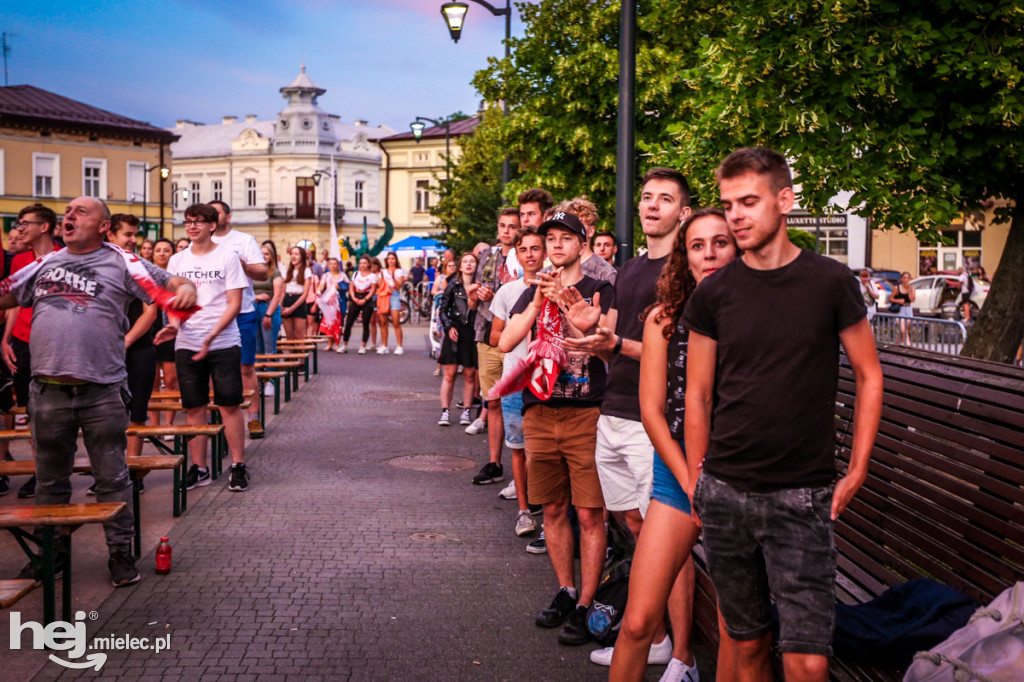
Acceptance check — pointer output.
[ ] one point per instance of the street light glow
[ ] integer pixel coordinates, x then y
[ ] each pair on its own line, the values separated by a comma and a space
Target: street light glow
417, 129
454, 15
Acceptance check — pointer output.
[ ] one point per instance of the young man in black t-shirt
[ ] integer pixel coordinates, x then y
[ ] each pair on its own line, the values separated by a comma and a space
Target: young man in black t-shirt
763, 367
560, 432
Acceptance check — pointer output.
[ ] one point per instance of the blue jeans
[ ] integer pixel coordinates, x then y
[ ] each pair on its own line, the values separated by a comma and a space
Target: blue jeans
101, 411
268, 337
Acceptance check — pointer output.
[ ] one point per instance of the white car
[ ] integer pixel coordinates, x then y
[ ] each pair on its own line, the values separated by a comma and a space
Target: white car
935, 290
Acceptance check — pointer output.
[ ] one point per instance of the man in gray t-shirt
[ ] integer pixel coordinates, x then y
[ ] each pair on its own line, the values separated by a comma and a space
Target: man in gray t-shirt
79, 298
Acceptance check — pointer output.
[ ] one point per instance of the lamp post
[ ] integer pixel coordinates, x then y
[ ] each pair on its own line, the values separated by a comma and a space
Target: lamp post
334, 250
417, 127
454, 14
625, 158
164, 172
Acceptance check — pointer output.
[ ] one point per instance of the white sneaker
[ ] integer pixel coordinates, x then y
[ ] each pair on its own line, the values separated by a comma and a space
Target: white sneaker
268, 389
478, 426
677, 671
660, 653
525, 525
399, 351
509, 491
341, 349
382, 350
465, 419
362, 350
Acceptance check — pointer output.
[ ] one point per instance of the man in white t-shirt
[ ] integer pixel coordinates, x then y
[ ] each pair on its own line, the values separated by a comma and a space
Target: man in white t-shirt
529, 250
248, 321
208, 345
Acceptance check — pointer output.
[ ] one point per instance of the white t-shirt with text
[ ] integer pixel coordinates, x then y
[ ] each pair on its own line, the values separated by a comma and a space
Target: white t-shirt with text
248, 250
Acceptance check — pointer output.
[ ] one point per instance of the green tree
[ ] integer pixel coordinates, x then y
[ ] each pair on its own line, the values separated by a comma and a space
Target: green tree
916, 107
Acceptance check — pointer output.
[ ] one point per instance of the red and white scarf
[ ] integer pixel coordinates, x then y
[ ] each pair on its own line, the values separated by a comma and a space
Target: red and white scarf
540, 370
162, 297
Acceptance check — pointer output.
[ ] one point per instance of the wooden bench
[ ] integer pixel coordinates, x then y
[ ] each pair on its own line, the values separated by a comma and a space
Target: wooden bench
219, 446
49, 517
138, 467
290, 366
15, 434
944, 496
265, 376
302, 347
285, 356
13, 590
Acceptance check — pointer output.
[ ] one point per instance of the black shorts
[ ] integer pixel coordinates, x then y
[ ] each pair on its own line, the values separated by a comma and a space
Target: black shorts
165, 351
141, 365
223, 366
461, 353
23, 375
289, 300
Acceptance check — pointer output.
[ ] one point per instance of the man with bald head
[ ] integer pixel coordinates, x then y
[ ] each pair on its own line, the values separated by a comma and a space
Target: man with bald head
79, 297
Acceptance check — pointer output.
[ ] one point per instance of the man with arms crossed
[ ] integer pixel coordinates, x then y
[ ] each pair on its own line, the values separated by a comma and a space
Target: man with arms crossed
248, 321
208, 345
491, 274
78, 299
625, 456
560, 432
763, 368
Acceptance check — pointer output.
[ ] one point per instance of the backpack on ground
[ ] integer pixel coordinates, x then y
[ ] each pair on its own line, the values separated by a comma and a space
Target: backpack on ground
604, 617
990, 648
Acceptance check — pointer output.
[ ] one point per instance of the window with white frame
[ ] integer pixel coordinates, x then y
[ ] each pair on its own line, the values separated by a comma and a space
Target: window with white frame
136, 189
250, 192
94, 180
174, 195
45, 173
193, 192
422, 196
360, 184
218, 190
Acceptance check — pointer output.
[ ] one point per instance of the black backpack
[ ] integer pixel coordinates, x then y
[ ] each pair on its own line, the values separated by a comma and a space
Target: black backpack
604, 617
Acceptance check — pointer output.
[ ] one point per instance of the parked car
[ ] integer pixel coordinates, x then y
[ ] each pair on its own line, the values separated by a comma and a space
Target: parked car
935, 290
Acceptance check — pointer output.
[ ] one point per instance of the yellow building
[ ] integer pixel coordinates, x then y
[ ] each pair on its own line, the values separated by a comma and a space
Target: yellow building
976, 240
411, 167
53, 149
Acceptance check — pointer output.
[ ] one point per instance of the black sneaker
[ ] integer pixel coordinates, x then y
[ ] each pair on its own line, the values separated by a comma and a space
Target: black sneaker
491, 473
538, 546
5, 485
122, 569
197, 477
28, 490
561, 607
140, 485
238, 478
575, 631
60, 560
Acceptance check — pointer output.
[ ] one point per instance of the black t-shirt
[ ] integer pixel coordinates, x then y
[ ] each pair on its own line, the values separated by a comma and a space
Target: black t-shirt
773, 423
582, 382
634, 293
135, 310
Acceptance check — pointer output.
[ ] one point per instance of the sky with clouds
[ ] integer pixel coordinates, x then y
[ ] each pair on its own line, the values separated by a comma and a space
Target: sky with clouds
386, 61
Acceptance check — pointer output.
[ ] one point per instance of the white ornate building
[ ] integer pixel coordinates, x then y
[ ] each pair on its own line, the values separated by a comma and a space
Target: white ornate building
267, 171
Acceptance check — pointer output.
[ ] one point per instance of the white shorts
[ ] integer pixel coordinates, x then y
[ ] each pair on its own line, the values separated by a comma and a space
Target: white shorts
625, 463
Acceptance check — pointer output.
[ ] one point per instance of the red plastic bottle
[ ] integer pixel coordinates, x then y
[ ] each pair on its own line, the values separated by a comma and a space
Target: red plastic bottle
163, 557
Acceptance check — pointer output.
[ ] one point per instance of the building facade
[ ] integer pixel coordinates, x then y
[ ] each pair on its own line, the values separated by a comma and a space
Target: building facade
53, 149
277, 175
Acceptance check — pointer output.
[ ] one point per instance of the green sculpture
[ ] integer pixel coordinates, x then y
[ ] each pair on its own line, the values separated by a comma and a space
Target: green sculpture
378, 246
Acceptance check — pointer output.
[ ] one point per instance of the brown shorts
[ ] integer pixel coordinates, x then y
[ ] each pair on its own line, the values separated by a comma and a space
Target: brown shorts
560, 443
489, 364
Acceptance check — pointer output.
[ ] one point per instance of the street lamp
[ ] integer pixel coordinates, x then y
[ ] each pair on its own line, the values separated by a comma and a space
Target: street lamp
334, 248
164, 173
417, 127
454, 14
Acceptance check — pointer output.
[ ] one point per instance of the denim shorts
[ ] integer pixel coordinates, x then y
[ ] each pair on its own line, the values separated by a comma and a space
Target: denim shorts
512, 412
249, 329
396, 301
777, 543
666, 488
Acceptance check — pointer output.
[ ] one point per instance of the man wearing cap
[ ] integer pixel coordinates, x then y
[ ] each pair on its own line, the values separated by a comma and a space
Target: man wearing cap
561, 430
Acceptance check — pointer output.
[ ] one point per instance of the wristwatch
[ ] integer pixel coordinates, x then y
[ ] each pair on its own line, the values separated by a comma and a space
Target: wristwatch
617, 348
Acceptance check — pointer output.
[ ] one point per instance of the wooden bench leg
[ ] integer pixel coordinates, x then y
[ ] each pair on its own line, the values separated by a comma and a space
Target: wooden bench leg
277, 396
305, 368
178, 491
263, 402
138, 518
316, 359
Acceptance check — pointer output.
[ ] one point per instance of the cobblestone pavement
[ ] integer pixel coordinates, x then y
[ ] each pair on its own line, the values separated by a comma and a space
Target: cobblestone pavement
315, 572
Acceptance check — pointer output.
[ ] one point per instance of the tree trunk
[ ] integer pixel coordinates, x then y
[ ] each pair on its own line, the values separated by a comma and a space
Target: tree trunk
999, 330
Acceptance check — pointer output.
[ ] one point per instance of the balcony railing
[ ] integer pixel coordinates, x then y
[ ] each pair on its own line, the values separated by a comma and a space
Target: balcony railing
321, 214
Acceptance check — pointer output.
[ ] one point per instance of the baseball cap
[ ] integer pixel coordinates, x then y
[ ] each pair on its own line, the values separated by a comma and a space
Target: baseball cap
564, 221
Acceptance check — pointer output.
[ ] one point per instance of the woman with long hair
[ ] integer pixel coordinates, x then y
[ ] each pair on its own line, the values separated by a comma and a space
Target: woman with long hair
146, 250
328, 298
394, 276
361, 301
448, 268
297, 284
703, 245
312, 308
381, 306
457, 312
904, 295
166, 370
269, 295
181, 244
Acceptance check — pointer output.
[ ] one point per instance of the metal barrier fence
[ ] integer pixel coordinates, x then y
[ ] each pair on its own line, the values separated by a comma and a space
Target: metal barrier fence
925, 333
